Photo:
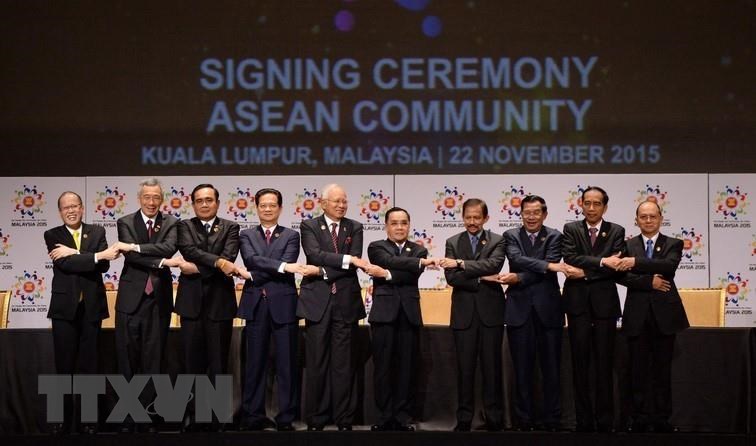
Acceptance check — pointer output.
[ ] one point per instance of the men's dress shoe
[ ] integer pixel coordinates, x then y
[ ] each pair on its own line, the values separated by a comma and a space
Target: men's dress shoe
665, 428
382, 427
258, 425
636, 428
604, 429
315, 427
59, 429
404, 427
526, 427
493, 427
552, 427
285, 427
89, 429
463, 426
152, 428
345, 427
584, 428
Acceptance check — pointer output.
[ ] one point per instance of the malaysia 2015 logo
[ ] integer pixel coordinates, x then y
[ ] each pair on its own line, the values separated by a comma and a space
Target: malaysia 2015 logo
373, 206
109, 203
240, 205
448, 203
28, 287
177, 202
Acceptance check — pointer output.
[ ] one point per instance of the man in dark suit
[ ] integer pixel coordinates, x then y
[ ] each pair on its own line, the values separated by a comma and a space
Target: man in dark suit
592, 247
80, 255
145, 290
534, 313
331, 304
269, 305
206, 299
395, 320
652, 316
473, 261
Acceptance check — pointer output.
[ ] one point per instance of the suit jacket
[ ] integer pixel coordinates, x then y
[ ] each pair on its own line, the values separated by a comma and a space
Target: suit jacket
538, 288
210, 291
402, 290
469, 292
262, 261
318, 248
642, 297
78, 275
138, 267
597, 290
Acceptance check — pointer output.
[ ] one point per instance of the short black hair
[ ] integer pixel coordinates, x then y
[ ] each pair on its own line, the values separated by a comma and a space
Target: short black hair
475, 202
648, 201
605, 198
203, 186
395, 209
69, 192
534, 199
266, 191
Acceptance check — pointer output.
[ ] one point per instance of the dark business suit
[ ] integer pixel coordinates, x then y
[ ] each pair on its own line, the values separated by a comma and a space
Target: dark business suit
477, 319
394, 322
78, 303
650, 320
269, 305
206, 301
142, 320
592, 306
535, 318
330, 320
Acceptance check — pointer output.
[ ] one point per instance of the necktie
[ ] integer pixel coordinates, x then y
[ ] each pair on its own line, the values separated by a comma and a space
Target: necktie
148, 288
207, 228
593, 232
474, 243
398, 250
335, 240
267, 236
649, 248
532, 239
77, 240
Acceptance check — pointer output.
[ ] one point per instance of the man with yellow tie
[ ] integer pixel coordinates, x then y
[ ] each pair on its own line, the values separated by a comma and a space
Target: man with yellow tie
80, 255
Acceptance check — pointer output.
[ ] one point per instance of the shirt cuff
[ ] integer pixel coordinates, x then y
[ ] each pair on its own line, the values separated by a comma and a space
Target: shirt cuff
346, 261
388, 275
95, 256
137, 248
281, 267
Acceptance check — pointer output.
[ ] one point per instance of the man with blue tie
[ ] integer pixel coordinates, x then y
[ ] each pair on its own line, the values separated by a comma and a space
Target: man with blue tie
473, 261
534, 313
653, 314
269, 305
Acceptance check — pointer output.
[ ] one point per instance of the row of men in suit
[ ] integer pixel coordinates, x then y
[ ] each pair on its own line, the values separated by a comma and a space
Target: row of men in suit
331, 304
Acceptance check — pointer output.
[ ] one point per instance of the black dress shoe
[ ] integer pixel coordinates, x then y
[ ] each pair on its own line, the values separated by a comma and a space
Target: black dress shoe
345, 427
463, 426
89, 429
526, 427
665, 428
285, 427
257, 425
315, 427
404, 427
493, 427
604, 429
552, 427
636, 428
584, 428
59, 429
381, 427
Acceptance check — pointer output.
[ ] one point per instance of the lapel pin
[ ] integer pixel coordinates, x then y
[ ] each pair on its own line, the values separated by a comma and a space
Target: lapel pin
658, 248
407, 249
322, 227
157, 228
277, 235
83, 235
216, 229
483, 242
603, 234
543, 239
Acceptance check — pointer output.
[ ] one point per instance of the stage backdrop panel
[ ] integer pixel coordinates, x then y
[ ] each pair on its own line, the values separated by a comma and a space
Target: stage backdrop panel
733, 245
31, 208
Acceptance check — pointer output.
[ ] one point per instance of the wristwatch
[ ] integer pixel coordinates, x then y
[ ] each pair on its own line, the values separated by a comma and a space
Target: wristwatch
460, 263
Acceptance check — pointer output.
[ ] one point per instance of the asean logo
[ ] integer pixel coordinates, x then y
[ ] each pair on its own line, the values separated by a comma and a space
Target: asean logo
110, 279
654, 194
753, 245
736, 289
692, 243
422, 238
373, 206
110, 203
176, 202
511, 202
449, 203
575, 201
29, 287
731, 202
5, 245
241, 204
28, 201
307, 204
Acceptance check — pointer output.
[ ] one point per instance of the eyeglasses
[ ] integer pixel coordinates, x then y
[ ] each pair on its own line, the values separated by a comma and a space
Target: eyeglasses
648, 217
71, 207
337, 201
152, 198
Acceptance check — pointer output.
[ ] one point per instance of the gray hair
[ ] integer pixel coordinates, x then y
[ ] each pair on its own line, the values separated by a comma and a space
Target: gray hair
149, 182
328, 188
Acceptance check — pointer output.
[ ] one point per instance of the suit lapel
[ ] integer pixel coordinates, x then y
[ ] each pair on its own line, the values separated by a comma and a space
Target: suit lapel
601, 238
156, 228
66, 237
140, 228
482, 243
464, 248
659, 246
525, 242
345, 230
84, 237
215, 230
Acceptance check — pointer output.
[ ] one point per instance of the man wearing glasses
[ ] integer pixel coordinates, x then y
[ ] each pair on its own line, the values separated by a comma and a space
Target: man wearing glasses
331, 304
